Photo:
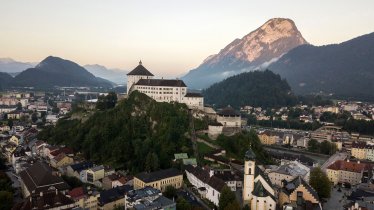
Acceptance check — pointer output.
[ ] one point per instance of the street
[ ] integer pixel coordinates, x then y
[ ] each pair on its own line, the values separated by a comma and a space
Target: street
332, 159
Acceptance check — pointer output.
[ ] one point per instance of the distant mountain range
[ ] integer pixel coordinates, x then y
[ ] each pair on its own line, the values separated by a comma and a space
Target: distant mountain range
54, 71
11, 66
257, 49
257, 88
117, 76
345, 70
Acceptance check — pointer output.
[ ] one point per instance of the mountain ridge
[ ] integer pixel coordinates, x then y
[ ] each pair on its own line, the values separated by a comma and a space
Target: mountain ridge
268, 42
343, 70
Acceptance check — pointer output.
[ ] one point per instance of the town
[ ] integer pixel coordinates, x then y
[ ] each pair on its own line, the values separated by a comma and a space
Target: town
304, 143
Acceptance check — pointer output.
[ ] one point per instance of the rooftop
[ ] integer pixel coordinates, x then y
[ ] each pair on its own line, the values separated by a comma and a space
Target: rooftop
158, 175
140, 70
347, 166
162, 82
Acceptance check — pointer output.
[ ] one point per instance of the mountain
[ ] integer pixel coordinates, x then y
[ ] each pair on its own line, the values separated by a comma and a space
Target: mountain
117, 76
5, 80
255, 50
54, 71
344, 70
11, 66
257, 88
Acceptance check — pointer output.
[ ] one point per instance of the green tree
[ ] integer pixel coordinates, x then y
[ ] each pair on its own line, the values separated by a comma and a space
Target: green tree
327, 148
170, 192
226, 198
320, 182
182, 204
313, 145
10, 123
151, 162
106, 102
246, 207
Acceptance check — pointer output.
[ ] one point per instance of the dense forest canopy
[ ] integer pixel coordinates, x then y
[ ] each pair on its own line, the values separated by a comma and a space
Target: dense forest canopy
258, 88
138, 134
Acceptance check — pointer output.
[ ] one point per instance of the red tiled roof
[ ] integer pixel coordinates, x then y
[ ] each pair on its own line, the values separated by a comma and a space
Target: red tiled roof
65, 150
76, 193
347, 166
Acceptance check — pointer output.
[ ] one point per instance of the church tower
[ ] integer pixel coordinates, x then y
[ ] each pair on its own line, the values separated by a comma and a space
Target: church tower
249, 175
140, 72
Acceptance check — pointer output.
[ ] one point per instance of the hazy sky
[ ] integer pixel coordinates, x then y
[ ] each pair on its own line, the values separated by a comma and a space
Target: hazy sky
170, 36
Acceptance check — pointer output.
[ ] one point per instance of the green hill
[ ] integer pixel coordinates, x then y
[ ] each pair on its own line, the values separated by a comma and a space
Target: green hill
258, 88
128, 136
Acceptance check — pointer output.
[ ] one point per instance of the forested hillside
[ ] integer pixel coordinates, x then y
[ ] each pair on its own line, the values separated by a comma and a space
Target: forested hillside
258, 88
138, 134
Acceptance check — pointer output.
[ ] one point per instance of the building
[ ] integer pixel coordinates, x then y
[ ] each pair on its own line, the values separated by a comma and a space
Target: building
93, 174
230, 118
258, 191
270, 137
85, 198
288, 172
75, 169
297, 194
112, 198
114, 180
52, 199
208, 186
162, 90
362, 150
39, 178
61, 160
346, 172
159, 179
148, 198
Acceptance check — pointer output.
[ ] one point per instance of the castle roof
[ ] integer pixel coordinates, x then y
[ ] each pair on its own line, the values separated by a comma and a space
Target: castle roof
140, 70
229, 111
162, 82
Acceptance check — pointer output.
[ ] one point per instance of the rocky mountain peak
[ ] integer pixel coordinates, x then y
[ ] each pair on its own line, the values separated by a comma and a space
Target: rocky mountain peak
274, 38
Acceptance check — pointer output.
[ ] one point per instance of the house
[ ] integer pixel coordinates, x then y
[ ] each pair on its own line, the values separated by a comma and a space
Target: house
75, 169
162, 90
159, 179
39, 178
91, 175
208, 186
52, 199
270, 137
109, 199
85, 197
233, 180
288, 172
148, 198
297, 194
61, 160
258, 191
342, 171
114, 180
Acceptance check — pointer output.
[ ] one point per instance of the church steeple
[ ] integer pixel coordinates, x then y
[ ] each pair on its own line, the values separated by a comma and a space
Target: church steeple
140, 62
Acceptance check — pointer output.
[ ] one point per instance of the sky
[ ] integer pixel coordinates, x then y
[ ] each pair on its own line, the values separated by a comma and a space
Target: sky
169, 36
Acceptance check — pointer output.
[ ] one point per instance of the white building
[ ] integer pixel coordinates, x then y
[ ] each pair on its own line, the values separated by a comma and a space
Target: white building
208, 185
162, 90
258, 192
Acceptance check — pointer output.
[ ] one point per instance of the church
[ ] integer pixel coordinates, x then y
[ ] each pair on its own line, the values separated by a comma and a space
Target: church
162, 90
258, 192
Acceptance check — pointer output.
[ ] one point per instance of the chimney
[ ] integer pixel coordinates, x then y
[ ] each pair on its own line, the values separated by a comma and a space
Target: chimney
211, 173
347, 160
41, 194
358, 162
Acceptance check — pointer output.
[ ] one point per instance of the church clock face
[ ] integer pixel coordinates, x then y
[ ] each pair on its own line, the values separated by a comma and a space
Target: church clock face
249, 164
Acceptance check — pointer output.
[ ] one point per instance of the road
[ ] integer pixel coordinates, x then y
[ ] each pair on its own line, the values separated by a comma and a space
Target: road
332, 159
196, 198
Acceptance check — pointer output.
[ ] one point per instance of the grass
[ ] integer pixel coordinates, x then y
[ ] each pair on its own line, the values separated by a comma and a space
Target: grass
203, 148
